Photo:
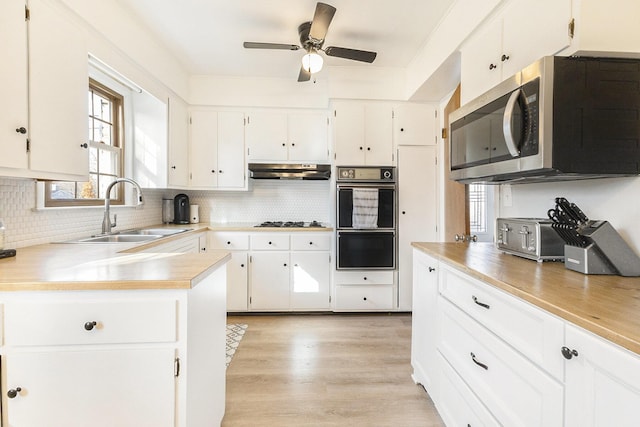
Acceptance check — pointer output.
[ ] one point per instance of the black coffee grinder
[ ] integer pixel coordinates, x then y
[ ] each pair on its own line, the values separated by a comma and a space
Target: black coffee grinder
181, 209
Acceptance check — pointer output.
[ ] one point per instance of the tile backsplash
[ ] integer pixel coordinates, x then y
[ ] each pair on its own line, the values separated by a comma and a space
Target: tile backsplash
265, 200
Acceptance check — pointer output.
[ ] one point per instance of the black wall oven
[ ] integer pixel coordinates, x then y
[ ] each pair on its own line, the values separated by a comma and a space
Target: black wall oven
369, 246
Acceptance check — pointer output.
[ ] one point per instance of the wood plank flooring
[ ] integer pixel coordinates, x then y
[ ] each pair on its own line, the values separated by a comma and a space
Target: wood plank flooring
325, 370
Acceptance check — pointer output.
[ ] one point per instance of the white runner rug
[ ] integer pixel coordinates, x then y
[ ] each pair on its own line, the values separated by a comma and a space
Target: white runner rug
235, 332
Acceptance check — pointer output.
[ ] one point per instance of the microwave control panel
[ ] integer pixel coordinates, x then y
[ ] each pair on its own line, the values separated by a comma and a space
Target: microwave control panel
366, 174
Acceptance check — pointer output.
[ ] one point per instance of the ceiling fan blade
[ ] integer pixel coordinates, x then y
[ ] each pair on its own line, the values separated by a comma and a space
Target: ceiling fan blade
258, 45
356, 55
304, 75
321, 20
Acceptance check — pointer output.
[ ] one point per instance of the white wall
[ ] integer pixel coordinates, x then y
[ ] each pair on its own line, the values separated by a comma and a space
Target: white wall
614, 199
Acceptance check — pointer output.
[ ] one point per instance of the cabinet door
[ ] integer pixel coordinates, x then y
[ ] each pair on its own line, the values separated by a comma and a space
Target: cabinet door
204, 148
414, 124
602, 383
237, 292
231, 163
178, 162
418, 202
378, 135
91, 388
310, 279
266, 134
481, 61
424, 354
270, 281
308, 138
58, 85
522, 40
150, 140
13, 85
349, 134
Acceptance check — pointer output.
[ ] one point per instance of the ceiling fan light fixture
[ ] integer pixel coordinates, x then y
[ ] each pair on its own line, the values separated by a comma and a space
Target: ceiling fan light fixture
312, 62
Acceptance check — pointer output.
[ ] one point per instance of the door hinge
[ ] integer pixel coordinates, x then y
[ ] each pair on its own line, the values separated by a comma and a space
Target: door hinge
327, 121
250, 300
436, 160
572, 28
190, 121
28, 145
335, 113
436, 113
444, 133
176, 367
250, 258
329, 299
248, 120
393, 114
27, 13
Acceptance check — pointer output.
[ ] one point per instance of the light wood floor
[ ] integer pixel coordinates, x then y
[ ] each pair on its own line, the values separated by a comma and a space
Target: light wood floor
325, 370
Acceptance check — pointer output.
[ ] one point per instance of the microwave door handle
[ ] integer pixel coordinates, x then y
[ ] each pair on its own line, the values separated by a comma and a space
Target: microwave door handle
506, 124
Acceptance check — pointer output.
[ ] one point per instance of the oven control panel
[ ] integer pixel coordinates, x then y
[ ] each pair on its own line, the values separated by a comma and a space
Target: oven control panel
366, 174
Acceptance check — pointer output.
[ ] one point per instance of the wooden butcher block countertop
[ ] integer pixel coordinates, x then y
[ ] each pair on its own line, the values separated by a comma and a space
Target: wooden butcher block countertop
606, 305
101, 266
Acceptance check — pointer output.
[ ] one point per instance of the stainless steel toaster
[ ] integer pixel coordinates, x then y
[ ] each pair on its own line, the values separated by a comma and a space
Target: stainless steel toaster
531, 238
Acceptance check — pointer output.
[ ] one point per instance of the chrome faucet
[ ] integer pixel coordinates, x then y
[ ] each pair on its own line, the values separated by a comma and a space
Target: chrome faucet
107, 225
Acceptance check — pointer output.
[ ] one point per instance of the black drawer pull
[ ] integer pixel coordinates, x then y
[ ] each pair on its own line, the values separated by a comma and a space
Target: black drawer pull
482, 365
11, 394
90, 325
481, 304
569, 353
431, 269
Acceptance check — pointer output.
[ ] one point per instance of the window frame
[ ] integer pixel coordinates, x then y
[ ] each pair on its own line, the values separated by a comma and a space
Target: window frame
118, 142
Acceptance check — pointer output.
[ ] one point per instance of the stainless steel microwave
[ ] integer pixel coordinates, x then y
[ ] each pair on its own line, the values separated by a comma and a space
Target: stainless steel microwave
561, 118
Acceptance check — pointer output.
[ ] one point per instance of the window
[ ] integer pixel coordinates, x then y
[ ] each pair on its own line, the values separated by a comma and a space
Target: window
477, 208
105, 131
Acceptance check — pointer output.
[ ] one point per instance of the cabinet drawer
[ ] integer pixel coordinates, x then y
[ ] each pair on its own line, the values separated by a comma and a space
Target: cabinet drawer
535, 333
311, 242
65, 323
458, 406
276, 242
514, 390
364, 297
364, 278
189, 244
230, 241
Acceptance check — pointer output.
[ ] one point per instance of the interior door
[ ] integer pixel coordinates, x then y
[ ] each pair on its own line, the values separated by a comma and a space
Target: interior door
456, 216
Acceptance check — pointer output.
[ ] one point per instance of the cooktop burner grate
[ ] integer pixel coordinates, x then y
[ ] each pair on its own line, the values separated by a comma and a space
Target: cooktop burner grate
290, 224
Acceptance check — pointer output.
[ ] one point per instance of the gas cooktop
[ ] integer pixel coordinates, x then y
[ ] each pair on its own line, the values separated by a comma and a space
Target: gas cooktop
290, 224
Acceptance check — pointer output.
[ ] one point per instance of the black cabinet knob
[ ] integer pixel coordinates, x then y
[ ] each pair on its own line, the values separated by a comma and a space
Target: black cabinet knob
368, 148
13, 392
84, 145
364, 278
311, 243
431, 269
492, 66
364, 299
220, 171
213, 171
229, 242
90, 325
173, 167
505, 58
293, 144
242, 265
285, 264
284, 145
404, 212
21, 130
360, 148
401, 129
270, 243
203, 249
568, 353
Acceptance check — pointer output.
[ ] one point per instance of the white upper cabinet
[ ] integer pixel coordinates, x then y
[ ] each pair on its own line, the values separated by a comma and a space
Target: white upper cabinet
363, 134
295, 137
13, 85
58, 85
512, 40
609, 27
414, 124
178, 161
217, 150
150, 116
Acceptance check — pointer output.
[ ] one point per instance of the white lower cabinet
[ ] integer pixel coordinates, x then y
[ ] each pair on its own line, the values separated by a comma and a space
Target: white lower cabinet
237, 268
364, 290
151, 357
270, 281
602, 385
513, 389
503, 361
69, 388
424, 353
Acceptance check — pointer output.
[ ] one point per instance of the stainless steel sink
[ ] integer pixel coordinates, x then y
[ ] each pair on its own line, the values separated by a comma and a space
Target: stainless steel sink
156, 231
118, 238
131, 236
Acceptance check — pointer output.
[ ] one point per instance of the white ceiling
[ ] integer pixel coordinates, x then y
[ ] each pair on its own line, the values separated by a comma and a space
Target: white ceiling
206, 35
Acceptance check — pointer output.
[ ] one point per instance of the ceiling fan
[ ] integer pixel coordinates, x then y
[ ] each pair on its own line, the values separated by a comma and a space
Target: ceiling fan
312, 36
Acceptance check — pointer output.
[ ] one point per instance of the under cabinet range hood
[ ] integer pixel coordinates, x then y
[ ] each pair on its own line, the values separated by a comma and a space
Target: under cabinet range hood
289, 171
